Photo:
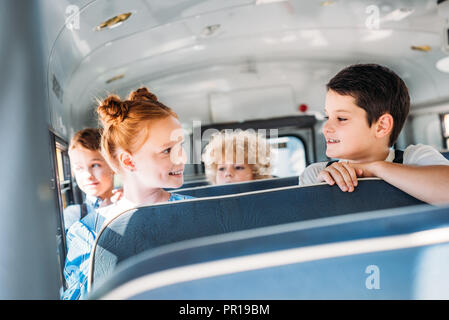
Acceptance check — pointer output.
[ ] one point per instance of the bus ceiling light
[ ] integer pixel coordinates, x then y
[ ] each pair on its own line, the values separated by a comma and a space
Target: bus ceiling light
443, 64
115, 78
327, 3
210, 30
113, 22
421, 48
259, 2
398, 14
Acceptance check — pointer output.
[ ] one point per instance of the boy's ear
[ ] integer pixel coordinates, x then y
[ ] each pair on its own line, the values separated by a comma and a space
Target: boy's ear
126, 161
384, 125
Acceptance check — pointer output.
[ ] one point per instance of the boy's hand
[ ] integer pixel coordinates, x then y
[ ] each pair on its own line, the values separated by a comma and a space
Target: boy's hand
116, 195
344, 174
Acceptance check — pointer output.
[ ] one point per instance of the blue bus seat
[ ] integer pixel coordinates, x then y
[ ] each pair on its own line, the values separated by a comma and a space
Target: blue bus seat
398, 253
138, 230
239, 187
445, 154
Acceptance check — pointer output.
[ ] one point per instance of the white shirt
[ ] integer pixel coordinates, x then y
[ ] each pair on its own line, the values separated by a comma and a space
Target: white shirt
124, 204
114, 209
418, 155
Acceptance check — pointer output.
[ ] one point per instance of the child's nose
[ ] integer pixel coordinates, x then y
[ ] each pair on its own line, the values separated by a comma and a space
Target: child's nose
229, 172
183, 156
89, 173
179, 156
327, 127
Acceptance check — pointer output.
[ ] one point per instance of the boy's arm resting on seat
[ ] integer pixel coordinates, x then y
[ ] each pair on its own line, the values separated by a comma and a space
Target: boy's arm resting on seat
341, 173
427, 183
424, 174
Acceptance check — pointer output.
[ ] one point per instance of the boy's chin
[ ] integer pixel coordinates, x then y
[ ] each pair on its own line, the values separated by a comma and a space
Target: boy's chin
91, 193
331, 154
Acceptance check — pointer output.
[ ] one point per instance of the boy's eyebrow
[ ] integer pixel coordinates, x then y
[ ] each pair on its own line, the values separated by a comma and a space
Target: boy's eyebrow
80, 163
339, 110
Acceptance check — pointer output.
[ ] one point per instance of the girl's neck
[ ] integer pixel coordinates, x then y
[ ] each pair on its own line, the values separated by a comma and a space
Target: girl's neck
142, 196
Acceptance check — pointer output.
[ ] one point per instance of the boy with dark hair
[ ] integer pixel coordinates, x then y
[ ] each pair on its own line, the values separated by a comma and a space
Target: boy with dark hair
366, 107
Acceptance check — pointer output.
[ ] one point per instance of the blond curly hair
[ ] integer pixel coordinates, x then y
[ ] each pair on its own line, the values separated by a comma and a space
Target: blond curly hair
238, 147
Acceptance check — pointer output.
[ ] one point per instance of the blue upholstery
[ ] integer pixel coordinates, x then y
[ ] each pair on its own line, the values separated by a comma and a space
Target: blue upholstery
148, 227
410, 269
240, 187
445, 154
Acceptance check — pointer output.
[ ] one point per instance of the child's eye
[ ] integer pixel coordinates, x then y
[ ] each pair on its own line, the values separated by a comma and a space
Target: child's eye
326, 117
341, 119
221, 169
166, 151
239, 167
96, 165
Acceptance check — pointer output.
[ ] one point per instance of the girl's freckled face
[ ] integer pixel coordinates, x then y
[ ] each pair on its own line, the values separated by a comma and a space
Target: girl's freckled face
161, 159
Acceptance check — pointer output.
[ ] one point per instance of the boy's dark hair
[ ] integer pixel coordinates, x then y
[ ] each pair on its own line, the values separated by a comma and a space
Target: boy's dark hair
377, 90
89, 138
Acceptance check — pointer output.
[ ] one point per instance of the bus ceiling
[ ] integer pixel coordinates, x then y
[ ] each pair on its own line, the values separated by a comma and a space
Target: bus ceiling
203, 57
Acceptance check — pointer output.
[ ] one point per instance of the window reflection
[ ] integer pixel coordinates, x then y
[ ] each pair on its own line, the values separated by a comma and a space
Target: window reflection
290, 159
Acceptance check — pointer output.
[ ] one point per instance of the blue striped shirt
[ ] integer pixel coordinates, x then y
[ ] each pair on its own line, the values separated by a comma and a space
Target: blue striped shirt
80, 241
72, 213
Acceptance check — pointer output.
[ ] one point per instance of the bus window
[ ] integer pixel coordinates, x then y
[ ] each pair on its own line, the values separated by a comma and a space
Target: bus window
64, 193
63, 172
290, 159
445, 129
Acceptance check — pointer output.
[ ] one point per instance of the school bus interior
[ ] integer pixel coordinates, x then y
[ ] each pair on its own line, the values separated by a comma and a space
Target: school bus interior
239, 64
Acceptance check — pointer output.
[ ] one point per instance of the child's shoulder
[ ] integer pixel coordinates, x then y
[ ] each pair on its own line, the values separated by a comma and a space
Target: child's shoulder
310, 174
423, 155
73, 209
71, 214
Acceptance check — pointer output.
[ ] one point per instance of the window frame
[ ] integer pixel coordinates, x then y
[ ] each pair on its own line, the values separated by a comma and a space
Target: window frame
444, 130
56, 142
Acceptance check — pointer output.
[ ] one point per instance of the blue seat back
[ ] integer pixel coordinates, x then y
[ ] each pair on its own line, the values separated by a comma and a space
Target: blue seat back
390, 254
145, 228
445, 154
241, 187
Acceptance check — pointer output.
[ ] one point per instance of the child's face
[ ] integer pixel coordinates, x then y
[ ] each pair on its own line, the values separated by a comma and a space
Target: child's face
228, 173
160, 162
93, 175
348, 135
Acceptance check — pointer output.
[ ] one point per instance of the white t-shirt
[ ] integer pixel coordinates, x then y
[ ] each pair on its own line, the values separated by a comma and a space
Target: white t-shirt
418, 155
112, 210
124, 204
